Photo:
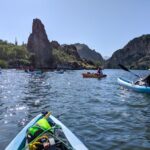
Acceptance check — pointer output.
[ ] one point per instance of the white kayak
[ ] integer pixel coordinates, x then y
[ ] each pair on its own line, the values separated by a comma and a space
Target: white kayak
19, 142
135, 87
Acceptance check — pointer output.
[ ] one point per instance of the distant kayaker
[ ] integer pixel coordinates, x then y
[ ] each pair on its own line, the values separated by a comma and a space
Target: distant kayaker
99, 71
31, 68
26, 69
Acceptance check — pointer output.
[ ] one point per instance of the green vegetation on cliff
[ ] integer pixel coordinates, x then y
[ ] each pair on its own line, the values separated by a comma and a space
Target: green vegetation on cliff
13, 55
64, 59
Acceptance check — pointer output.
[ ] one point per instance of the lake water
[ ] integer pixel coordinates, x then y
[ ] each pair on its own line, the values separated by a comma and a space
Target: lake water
99, 112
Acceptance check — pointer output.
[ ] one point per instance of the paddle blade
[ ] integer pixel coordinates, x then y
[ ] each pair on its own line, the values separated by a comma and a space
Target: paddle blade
123, 67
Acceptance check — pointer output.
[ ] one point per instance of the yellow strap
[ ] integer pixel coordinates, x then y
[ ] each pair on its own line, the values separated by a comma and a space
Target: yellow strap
34, 145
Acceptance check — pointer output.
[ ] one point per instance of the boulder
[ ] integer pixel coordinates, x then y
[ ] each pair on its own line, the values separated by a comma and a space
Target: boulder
39, 45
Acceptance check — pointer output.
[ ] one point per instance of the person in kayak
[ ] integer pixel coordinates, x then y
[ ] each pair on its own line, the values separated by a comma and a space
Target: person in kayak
147, 80
99, 71
144, 81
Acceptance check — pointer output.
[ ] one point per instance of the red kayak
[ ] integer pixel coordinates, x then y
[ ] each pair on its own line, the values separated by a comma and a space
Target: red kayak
93, 75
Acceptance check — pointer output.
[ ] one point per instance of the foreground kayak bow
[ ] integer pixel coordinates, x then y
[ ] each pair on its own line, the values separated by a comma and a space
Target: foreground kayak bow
73, 143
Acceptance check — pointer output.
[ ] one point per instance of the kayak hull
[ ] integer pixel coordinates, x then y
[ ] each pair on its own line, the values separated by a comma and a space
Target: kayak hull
132, 86
93, 75
18, 142
34, 72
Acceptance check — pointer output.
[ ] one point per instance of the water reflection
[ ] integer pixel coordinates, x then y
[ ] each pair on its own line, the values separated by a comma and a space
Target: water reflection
101, 114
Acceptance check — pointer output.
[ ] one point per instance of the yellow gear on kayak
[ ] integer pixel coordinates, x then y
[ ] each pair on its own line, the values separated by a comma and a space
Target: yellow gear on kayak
37, 143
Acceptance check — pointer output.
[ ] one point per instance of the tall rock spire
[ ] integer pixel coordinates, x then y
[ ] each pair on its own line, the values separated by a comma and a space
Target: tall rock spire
39, 45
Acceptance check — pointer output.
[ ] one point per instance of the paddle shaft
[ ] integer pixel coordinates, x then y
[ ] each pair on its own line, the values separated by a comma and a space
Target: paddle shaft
126, 69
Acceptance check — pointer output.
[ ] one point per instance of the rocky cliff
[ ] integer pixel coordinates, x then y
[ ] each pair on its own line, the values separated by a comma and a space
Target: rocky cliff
39, 45
71, 50
136, 54
67, 57
90, 55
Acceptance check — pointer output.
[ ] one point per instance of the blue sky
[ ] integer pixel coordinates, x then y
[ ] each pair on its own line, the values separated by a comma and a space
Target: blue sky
104, 25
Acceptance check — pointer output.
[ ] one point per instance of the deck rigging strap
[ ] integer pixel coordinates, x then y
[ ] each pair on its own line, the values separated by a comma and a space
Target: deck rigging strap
69, 147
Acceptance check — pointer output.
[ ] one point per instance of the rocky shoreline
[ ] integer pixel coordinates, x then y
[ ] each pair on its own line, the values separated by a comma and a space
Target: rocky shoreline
41, 53
52, 55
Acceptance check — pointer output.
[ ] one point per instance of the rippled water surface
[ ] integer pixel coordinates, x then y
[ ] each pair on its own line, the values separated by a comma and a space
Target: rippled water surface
101, 113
